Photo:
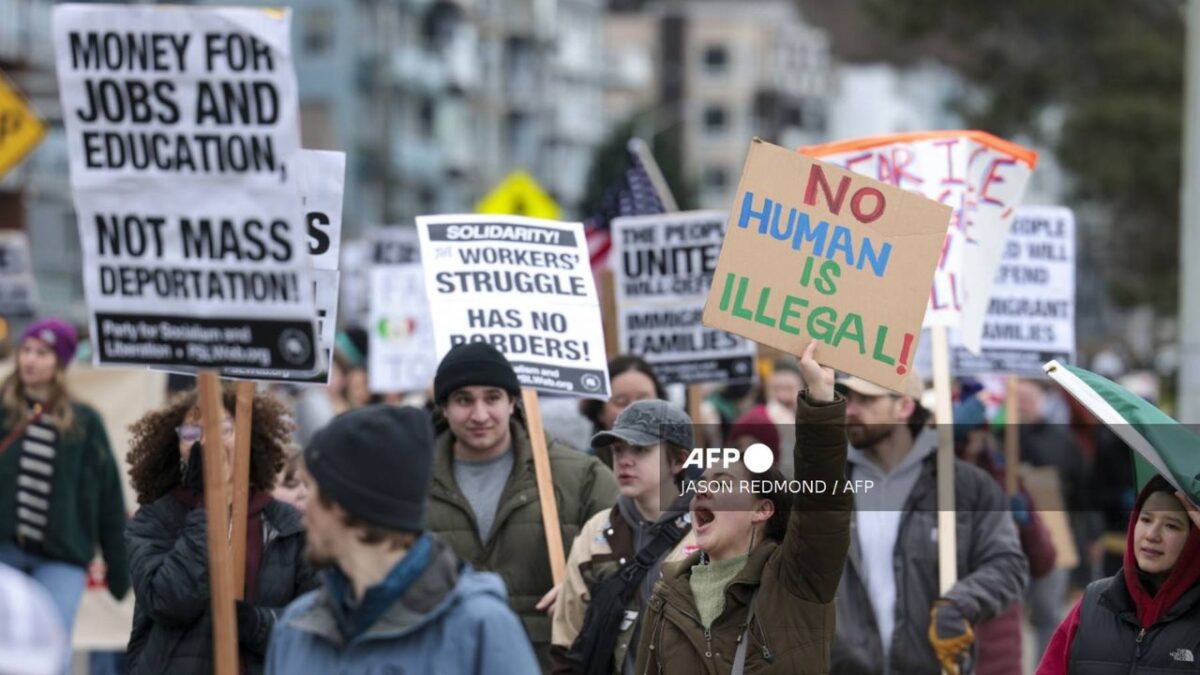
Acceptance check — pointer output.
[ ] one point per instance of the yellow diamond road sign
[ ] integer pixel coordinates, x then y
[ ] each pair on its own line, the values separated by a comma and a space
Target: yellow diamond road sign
519, 195
20, 127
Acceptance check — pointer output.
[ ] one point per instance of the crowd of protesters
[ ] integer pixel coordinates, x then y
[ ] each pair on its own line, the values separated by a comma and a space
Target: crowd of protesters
384, 534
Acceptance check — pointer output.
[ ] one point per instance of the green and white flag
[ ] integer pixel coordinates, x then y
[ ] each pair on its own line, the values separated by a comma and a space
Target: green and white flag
1169, 447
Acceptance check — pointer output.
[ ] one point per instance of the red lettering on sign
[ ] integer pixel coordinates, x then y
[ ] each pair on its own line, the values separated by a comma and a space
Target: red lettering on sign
993, 177
816, 179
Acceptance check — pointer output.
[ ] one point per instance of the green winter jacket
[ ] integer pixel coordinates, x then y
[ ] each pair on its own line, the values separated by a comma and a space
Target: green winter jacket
87, 506
516, 549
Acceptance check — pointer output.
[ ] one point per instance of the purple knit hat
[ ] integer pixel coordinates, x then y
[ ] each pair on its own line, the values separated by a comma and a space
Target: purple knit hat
58, 334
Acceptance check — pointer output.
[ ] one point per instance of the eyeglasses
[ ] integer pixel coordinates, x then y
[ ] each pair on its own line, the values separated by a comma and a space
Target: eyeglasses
190, 433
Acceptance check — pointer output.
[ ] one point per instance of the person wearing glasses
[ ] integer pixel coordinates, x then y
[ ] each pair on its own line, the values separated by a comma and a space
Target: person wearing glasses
168, 546
60, 490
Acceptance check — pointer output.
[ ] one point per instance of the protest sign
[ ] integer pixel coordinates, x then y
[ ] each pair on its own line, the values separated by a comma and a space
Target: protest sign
18, 290
524, 286
401, 351
182, 125
664, 267
387, 245
980, 176
20, 127
1031, 314
813, 251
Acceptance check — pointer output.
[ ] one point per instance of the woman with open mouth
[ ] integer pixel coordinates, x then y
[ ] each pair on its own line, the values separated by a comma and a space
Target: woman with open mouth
1145, 618
758, 595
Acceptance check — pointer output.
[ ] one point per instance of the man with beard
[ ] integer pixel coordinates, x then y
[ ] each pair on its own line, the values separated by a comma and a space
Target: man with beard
394, 597
891, 619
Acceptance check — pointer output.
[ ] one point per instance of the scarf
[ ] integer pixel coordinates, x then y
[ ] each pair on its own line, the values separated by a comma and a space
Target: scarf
354, 618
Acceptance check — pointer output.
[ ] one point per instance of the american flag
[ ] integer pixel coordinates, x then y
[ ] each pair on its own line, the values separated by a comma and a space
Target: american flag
633, 195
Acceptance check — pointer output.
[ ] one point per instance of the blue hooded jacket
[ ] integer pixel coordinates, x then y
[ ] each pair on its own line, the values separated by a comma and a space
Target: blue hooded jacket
451, 620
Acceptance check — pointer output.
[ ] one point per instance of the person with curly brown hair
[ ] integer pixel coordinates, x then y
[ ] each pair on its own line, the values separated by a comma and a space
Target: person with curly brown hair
167, 538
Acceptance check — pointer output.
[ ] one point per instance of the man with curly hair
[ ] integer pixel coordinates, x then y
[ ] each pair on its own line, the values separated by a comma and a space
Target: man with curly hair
168, 546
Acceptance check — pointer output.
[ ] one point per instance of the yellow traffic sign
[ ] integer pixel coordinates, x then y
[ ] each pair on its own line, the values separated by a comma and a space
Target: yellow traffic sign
519, 195
20, 127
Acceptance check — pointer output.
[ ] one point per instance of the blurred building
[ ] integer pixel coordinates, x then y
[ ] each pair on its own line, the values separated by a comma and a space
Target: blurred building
36, 195
726, 71
433, 101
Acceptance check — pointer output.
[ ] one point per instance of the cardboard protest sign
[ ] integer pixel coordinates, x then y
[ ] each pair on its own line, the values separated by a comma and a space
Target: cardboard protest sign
18, 290
663, 267
813, 251
401, 352
182, 125
524, 286
980, 176
20, 127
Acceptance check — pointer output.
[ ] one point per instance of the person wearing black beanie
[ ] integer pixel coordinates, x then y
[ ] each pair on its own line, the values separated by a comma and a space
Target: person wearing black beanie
387, 582
484, 499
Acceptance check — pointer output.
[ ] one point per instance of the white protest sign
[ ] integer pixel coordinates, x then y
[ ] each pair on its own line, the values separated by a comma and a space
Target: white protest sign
386, 245
663, 267
182, 124
523, 285
322, 177
18, 290
401, 352
981, 177
1031, 315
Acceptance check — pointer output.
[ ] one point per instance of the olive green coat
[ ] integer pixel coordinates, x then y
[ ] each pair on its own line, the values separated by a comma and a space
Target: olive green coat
516, 548
795, 579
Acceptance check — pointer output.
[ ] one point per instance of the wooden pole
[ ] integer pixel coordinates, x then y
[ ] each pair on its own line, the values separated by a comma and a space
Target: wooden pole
943, 413
216, 503
695, 399
1012, 436
241, 482
608, 312
545, 485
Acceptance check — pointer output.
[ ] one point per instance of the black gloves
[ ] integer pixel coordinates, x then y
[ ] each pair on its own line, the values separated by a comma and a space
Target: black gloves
193, 470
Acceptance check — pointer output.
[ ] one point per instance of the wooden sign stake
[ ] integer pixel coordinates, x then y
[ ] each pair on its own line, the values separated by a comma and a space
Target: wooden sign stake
241, 482
944, 415
545, 485
1012, 436
216, 503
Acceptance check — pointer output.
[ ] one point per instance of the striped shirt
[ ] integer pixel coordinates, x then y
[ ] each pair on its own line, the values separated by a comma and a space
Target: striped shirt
34, 479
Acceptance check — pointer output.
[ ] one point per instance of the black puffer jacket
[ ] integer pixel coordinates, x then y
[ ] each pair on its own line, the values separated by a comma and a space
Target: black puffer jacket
172, 619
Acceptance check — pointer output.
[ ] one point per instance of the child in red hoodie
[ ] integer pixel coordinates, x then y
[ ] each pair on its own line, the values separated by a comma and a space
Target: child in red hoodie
1147, 616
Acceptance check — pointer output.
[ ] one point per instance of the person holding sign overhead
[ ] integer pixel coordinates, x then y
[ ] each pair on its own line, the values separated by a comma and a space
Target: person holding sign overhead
758, 596
168, 545
484, 500
890, 616
60, 492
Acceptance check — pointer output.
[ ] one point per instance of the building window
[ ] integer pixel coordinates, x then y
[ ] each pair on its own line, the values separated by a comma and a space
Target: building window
716, 59
715, 119
715, 178
425, 116
318, 32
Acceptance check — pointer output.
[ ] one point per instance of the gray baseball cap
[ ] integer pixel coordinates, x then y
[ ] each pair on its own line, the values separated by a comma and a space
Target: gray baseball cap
648, 422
